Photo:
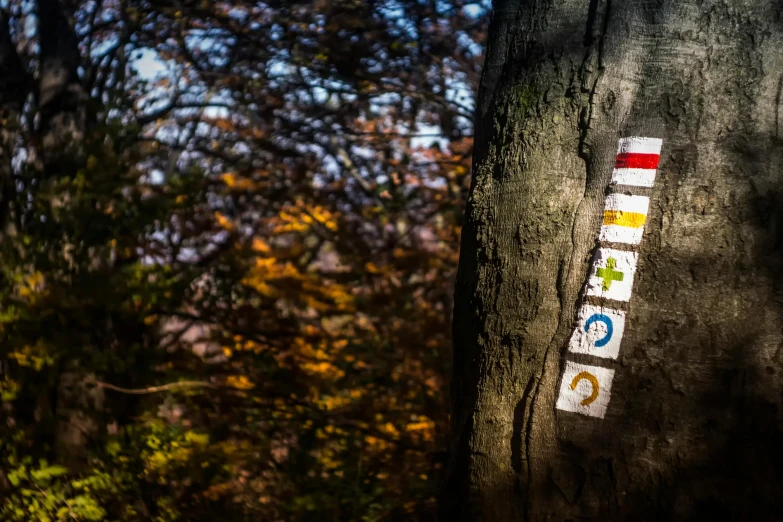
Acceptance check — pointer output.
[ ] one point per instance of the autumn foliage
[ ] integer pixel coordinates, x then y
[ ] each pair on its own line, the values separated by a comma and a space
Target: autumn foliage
228, 298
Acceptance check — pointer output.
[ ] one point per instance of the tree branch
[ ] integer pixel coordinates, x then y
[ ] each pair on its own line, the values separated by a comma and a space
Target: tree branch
154, 389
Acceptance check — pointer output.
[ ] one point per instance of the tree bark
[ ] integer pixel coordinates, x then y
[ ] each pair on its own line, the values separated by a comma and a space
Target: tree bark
62, 100
693, 425
62, 108
13, 91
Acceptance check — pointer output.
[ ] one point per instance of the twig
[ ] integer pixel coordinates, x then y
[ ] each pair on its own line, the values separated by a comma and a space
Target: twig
155, 389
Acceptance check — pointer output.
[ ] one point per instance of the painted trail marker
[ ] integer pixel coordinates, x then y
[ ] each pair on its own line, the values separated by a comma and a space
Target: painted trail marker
598, 331
585, 389
637, 161
624, 218
611, 275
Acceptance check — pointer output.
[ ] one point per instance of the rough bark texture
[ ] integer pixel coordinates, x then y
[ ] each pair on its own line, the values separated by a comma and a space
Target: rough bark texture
694, 425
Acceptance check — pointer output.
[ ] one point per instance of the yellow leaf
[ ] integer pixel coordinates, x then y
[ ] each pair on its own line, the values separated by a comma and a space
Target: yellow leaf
389, 429
259, 245
223, 221
229, 178
31, 284
423, 425
240, 382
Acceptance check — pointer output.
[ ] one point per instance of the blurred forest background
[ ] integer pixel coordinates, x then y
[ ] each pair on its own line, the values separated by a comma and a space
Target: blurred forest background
229, 237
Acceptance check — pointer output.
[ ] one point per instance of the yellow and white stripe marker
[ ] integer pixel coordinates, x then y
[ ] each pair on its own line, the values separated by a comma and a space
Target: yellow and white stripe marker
624, 218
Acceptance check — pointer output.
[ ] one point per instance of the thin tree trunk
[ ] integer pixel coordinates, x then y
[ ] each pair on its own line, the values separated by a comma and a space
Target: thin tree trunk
62, 106
62, 100
13, 92
692, 429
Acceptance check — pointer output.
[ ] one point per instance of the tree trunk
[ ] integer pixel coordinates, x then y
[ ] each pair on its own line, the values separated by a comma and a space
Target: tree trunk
62, 107
13, 90
692, 425
62, 99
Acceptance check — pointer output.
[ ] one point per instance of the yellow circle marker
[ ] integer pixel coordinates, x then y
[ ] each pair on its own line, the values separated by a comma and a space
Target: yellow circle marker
590, 377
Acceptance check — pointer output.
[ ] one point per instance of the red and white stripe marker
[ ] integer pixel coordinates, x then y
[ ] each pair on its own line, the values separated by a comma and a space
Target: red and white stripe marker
637, 161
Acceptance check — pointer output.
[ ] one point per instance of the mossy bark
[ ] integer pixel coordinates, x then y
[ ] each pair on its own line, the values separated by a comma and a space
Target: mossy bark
695, 419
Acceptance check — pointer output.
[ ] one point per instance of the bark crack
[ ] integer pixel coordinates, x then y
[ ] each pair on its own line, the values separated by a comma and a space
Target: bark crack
777, 107
594, 57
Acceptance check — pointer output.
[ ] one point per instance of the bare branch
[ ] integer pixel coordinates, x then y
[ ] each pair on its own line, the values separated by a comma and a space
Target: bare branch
155, 389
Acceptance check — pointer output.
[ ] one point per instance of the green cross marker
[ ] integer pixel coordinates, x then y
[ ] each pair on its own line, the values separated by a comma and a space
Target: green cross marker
609, 274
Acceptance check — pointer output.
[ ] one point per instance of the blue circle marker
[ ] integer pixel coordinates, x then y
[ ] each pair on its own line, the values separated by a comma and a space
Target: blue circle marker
601, 318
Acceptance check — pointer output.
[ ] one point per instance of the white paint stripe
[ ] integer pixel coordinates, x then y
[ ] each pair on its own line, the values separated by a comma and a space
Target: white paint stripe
585, 379
599, 331
618, 234
627, 203
636, 177
611, 275
639, 145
